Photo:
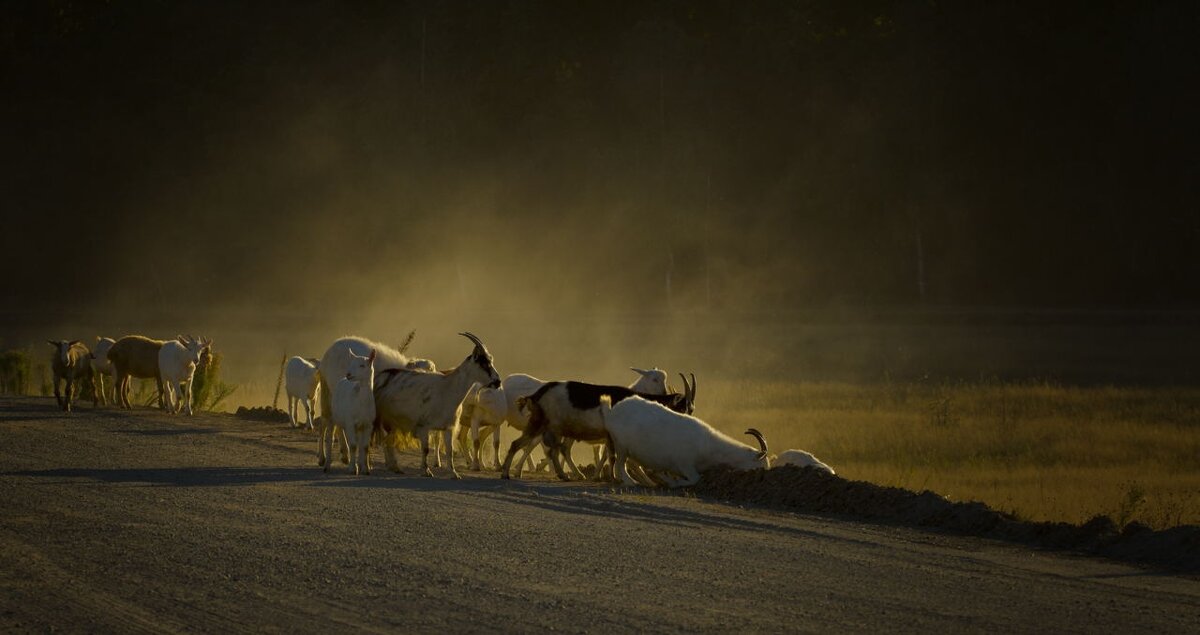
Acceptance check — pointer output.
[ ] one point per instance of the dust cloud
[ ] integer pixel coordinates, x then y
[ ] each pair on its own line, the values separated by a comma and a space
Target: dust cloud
787, 190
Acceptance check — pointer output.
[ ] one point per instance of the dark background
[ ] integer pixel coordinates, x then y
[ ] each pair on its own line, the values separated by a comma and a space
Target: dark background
533, 155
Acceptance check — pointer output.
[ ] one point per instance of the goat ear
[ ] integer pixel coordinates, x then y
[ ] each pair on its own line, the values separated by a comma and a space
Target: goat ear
74, 342
638, 371
181, 339
52, 343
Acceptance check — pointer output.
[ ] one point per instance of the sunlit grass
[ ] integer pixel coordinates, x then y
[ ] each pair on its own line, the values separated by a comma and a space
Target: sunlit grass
1041, 451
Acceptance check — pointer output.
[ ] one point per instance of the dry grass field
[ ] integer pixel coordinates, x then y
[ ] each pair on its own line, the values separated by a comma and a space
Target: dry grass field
1039, 450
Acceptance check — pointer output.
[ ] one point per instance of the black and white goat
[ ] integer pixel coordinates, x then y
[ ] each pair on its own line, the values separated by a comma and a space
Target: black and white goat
516, 386
571, 410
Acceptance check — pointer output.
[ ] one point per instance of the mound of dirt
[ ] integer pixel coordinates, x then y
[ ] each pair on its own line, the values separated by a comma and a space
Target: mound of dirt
804, 489
262, 413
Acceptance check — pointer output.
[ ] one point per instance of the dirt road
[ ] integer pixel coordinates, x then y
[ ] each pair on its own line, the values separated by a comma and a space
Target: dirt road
134, 522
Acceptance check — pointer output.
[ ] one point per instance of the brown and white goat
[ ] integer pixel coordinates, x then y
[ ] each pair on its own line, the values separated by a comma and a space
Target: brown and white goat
72, 362
134, 356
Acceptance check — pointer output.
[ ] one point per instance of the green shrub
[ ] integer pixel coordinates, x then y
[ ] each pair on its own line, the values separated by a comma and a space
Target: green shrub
16, 372
208, 391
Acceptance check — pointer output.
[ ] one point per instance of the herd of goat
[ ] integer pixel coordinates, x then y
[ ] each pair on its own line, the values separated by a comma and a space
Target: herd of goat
371, 394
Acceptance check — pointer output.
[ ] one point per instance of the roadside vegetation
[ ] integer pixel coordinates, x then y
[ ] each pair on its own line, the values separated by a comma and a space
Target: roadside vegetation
1037, 449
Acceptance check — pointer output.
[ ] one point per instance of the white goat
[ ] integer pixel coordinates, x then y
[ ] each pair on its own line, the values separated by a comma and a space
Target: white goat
672, 443
483, 413
177, 361
101, 367
71, 362
800, 458
303, 384
419, 403
336, 361
353, 415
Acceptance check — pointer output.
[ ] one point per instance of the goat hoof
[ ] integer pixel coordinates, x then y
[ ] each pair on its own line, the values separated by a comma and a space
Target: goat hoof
428, 472
456, 476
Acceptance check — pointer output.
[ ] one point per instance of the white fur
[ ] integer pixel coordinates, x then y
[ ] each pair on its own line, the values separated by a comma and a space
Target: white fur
303, 384
101, 367
800, 458
336, 360
651, 382
177, 361
352, 415
420, 403
671, 443
484, 410
423, 364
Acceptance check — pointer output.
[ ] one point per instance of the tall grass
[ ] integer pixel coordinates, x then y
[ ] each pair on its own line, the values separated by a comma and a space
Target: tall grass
1040, 450
208, 390
16, 372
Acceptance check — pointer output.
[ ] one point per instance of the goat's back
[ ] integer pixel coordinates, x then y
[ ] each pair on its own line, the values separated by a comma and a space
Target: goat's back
336, 360
300, 377
654, 432
661, 438
800, 458
408, 398
136, 355
516, 386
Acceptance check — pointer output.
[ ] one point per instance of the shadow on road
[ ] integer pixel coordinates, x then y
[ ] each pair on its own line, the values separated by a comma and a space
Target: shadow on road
168, 433
179, 476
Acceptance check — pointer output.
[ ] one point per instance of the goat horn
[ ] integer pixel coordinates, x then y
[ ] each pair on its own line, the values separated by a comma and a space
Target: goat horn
762, 443
473, 338
693, 386
686, 388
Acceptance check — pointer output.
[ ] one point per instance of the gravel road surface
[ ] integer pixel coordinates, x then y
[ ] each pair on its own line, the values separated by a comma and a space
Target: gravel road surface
142, 522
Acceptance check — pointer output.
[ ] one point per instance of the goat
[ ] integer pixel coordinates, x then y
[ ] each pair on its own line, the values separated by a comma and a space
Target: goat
336, 361
653, 381
669, 442
800, 458
571, 409
300, 378
483, 413
352, 415
177, 362
101, 367
419, 402
134, 356
71, 361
